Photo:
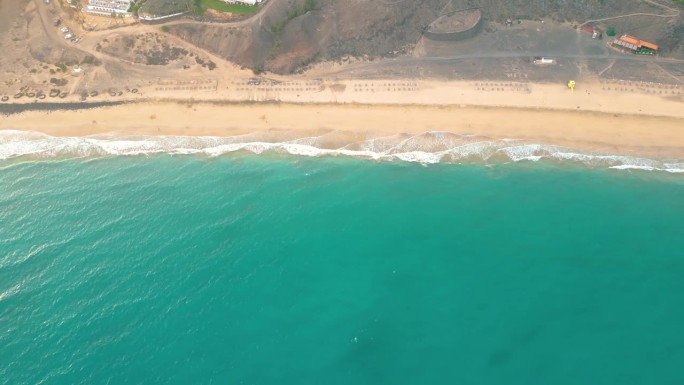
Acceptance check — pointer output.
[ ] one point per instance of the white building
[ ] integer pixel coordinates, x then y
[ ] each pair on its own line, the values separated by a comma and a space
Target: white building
109, 7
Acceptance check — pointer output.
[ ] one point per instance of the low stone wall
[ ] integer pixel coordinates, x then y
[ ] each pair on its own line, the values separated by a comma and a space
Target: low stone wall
456, 35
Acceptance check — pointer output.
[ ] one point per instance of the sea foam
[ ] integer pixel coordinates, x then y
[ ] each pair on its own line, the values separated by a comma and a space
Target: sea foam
427, 148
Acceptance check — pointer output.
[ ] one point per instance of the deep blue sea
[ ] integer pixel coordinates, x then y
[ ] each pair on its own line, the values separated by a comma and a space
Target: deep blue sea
280, 269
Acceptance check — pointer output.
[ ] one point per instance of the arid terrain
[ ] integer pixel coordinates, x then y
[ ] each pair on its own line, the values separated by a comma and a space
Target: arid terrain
297, 50
276, 41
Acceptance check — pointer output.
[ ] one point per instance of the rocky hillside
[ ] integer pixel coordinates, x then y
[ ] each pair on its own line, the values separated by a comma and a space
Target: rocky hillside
289, 34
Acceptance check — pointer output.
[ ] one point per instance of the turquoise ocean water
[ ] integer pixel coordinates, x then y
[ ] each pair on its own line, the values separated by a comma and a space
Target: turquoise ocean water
274, 269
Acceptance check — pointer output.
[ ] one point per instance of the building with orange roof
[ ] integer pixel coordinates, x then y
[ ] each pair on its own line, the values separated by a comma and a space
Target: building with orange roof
635, 45
651, 46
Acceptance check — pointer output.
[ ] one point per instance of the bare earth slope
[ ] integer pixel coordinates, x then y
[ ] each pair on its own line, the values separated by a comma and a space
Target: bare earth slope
283, 40
279, 42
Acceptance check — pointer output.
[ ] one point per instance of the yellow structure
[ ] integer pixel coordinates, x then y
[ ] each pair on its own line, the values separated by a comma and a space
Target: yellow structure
571, 85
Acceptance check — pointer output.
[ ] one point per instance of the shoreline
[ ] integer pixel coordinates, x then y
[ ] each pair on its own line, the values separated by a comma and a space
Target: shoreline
336, 126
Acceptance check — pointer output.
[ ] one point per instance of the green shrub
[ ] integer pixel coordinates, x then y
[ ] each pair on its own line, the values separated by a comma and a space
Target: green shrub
222, 6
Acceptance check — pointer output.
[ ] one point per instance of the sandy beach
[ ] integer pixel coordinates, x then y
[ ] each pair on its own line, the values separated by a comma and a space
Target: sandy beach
659, 137
605, 117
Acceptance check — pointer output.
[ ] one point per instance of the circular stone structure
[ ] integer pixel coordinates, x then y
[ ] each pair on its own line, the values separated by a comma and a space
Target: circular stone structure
457, 25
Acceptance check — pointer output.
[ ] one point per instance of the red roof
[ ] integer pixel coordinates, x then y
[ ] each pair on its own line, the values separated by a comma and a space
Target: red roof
639, 43
649, 45
630, 40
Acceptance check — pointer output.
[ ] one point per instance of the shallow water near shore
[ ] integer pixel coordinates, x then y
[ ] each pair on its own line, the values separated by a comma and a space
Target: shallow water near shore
425, 148
286, 269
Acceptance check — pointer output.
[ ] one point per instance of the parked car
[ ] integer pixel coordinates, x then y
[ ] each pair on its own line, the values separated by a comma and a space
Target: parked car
64, 30
68, 36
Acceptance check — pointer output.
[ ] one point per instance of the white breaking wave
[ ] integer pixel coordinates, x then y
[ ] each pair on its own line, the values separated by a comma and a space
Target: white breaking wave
427, 148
